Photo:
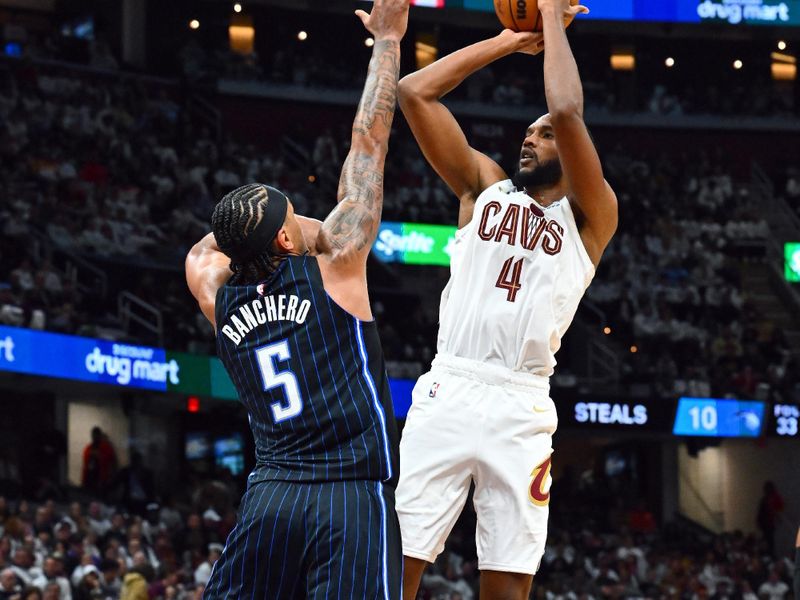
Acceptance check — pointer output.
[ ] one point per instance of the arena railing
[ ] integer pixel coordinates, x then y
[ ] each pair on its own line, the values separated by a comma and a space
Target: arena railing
785, 226
132, 309
86, 277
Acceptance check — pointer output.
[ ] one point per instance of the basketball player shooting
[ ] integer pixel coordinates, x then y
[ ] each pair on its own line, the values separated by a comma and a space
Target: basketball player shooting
526, 250
288, 299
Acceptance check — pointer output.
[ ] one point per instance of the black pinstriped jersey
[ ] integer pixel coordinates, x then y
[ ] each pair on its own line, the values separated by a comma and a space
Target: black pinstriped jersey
312, 378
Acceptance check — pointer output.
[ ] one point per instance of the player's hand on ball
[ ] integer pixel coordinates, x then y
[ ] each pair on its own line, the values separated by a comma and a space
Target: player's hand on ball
388, 19
526, 42
564, 7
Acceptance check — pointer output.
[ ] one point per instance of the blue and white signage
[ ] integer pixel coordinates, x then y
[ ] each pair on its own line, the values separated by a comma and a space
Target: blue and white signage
86, 359
710, 417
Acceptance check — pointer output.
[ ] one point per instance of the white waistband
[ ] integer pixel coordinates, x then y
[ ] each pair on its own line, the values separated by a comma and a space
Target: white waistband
491, 374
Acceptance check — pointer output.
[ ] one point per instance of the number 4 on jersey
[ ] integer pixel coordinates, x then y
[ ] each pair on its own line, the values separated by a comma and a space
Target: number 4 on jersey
509, 278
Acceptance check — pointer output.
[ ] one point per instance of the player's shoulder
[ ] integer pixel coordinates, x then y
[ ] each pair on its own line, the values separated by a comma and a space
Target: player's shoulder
489, 173
500, 187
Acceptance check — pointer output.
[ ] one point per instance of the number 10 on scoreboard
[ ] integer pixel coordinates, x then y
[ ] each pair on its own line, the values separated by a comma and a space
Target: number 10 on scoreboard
711, 417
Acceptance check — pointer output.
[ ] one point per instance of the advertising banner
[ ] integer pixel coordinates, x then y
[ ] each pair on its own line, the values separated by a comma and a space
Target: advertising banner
732, 12
791, 254
414, 243
711, 417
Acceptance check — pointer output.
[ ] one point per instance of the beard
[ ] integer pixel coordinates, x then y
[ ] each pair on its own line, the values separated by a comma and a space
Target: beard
543, 175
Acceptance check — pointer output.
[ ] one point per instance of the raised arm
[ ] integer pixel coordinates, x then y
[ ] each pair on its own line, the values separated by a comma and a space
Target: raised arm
465, 170
346, 236
207, 270
579, 160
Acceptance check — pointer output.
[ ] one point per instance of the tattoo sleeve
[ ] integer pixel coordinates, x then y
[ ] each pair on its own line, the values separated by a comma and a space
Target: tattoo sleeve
353, 224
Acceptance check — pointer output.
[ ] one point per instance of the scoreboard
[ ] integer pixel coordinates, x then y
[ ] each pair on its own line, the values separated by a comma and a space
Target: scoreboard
684, 417
710, 417
785, 420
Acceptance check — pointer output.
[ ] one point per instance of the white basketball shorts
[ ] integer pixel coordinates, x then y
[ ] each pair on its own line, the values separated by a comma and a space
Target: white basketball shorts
470, 421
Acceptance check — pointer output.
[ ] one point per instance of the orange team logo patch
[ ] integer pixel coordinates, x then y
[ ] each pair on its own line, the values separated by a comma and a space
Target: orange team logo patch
536, 493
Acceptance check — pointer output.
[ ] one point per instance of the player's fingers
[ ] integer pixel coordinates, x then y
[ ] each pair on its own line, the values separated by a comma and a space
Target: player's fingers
363, 16
525, 36
578, 10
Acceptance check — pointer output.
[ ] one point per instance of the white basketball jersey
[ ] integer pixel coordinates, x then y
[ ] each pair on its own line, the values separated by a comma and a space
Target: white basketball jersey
518, 272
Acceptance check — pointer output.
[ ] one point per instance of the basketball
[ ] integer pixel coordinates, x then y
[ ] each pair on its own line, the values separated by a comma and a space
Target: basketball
523, 15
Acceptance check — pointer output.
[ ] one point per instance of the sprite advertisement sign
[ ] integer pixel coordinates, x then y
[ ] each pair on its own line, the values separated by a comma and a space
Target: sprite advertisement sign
791, 254
415, 243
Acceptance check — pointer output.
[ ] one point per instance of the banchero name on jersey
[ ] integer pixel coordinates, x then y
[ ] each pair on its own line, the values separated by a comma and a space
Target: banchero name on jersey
312, 378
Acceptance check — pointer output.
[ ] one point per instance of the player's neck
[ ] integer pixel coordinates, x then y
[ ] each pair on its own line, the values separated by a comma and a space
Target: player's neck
545, 196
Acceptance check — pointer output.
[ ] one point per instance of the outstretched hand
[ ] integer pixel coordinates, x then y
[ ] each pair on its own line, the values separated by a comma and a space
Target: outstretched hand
388, 19
532, 42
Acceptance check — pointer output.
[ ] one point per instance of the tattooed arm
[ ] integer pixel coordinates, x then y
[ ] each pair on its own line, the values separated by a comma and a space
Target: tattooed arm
346, 236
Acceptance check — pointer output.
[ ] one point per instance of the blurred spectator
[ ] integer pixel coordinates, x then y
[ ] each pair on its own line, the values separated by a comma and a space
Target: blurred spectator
31, 593
99, 463
134, 586
769, 509
53, 572
9, 584
136, 485
89, 586
773, 588
203, 572
97, 521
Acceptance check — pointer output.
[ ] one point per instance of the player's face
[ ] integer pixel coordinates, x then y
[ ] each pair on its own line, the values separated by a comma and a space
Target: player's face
538, 159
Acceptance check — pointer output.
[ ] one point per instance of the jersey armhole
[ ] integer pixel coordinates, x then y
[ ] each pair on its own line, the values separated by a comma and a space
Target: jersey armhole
219, 309
584, 253
317, 274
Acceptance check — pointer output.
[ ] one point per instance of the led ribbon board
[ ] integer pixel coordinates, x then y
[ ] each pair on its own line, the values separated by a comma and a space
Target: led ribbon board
791, 255
101, 361
710, 417
651, 415
414, 243
45, 354
731, 12
785, 421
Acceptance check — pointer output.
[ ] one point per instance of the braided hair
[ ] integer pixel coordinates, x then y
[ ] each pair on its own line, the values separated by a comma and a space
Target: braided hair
235, 217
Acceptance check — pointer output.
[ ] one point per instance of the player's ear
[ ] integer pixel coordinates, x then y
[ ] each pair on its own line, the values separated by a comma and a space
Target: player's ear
283, 242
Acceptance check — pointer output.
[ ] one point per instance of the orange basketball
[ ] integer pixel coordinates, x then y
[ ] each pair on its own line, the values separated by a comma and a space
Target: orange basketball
522, 15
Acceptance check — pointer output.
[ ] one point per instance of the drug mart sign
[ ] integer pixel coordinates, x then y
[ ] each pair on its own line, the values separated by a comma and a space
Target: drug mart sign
100, 361
750, 12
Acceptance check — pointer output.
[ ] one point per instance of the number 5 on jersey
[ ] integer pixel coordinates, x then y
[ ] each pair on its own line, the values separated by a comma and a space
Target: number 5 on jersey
267, 356
509, 278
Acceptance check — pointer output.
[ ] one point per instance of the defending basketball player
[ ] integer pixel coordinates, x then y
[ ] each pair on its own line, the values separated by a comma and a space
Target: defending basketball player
526, 250
288, 298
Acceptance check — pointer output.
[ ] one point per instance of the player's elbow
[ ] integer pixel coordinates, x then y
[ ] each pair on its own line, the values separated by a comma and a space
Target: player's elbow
410, 91
406, 88
566, 112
